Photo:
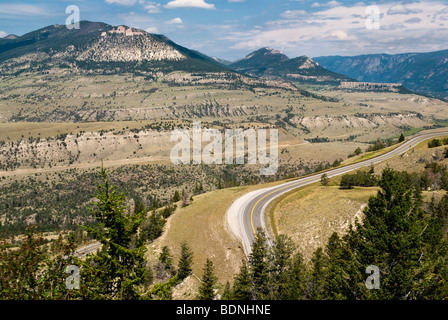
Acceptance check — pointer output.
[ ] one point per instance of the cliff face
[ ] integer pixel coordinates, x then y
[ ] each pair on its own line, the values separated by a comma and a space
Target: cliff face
129, 46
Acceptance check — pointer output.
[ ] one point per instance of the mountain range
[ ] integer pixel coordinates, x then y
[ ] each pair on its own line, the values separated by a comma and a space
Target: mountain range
425, 73
102, 48
271, 63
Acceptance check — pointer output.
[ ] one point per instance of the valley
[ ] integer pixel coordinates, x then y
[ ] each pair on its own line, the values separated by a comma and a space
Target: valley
112, 96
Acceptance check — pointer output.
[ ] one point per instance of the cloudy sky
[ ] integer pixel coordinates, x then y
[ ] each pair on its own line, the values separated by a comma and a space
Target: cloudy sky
231, 29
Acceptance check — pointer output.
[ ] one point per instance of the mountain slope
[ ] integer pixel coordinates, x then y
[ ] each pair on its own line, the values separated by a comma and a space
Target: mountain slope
271, 63
421, 72
101, 47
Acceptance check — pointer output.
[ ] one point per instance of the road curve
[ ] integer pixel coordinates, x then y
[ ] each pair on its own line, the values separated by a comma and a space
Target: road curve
246, 213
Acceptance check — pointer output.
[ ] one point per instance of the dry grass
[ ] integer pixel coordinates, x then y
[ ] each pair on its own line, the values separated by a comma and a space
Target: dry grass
311, 214
415, 159
203, 225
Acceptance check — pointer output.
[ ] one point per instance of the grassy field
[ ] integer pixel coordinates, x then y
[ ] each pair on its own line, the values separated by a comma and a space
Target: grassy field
311, 214
203, 225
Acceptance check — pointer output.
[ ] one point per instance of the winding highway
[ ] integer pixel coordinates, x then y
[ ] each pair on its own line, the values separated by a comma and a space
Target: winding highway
246, 214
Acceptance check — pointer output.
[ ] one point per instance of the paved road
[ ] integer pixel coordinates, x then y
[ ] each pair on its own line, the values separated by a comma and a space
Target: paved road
247, 213
82, 252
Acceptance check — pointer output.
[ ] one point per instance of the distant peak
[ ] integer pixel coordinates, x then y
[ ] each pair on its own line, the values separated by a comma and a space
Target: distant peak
264, 51
10, 37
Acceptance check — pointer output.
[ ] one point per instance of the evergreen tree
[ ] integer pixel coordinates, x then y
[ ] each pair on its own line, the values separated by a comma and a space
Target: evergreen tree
139, 206
227, 293
401, 138
119, 268
176, 196
397, 237
281, 265
209, 280
259, 267
318, 274
152, 228
185, 261
34, 271
165, 267
298, 280
242, 286
324, 179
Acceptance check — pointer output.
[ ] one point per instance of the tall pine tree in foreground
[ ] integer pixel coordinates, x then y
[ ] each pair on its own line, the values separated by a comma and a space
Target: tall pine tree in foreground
118, 270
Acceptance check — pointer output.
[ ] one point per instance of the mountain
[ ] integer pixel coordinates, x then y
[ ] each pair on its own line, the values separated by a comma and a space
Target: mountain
100, 47
10, 36
221, 61
271, 63
425, 73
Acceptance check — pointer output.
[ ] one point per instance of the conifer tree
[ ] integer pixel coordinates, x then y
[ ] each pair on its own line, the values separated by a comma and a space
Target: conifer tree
298, 280
185, 261
259, 267
318, 274
165, 267
281, 265
209, 280
227, 293
119, 268
242, 286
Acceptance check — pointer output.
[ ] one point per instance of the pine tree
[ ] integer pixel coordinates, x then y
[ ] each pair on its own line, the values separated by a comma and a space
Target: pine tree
227, 293
259, 267
242, 286
397, 237
324, 179
318, 274
165, 267
185, 261
401, 138
209, 280
119, 268
176, 196
139, 206
152, 228
281, 265
298, 280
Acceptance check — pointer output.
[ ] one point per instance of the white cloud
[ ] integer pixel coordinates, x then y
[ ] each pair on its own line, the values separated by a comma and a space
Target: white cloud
24, 10
3, 34
341, 35
328, 4
189, 4
342, 30
175, 21
152, 30
413, 20
400, 9
152, 7
122, 2
294, 14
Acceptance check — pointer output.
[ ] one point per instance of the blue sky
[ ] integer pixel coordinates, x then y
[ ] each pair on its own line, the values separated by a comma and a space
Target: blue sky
231, 29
